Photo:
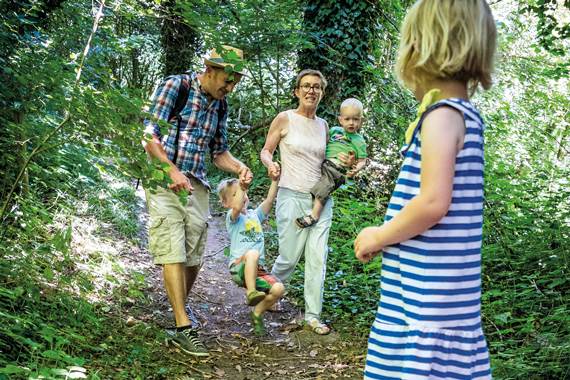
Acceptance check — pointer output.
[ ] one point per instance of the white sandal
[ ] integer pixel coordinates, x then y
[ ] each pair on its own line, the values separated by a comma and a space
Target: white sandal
317, 326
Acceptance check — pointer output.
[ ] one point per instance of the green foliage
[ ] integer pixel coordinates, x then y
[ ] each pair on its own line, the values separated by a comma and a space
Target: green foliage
60, 303
342, 37
352, 289
553, 26
526, 259
64, 136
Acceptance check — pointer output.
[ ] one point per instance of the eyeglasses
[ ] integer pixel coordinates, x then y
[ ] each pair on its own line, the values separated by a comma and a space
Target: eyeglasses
307, 87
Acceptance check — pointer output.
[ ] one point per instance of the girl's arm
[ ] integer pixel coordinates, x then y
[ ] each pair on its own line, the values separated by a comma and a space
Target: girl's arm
442, 137
267, 204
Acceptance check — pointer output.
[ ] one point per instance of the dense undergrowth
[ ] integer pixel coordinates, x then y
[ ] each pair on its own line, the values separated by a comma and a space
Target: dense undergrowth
64, 291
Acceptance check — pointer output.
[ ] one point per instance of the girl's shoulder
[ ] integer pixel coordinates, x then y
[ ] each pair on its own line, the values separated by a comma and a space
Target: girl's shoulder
463, 106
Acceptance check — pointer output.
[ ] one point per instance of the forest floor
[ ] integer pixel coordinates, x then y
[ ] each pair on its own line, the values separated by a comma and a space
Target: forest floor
287, 352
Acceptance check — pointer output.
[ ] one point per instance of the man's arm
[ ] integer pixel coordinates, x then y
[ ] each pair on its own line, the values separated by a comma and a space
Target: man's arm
267, 204
227, 162
222, 158
162, 103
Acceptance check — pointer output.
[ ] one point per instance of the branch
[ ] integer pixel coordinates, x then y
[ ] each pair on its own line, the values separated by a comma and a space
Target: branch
260, 85
98, 17
264, 124
37, 149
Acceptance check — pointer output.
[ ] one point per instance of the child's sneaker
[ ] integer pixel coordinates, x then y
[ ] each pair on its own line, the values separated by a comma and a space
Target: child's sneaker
254, 297
257, 323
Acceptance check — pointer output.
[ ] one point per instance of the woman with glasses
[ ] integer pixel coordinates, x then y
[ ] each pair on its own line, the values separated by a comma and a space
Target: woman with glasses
301, 136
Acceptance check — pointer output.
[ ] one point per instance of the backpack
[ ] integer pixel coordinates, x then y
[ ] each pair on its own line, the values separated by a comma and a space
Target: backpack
180, 103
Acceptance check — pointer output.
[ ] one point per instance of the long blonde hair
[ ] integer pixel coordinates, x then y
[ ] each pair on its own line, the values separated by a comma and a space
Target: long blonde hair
447, 39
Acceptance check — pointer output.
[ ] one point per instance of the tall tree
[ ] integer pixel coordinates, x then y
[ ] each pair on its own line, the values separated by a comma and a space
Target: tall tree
341, 34
181, 43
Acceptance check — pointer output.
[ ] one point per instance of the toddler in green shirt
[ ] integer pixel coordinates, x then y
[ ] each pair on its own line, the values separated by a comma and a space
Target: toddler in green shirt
345, 141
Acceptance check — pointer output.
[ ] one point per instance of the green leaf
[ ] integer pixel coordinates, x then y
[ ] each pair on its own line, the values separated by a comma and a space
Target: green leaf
503, 318
11, 369
158, 175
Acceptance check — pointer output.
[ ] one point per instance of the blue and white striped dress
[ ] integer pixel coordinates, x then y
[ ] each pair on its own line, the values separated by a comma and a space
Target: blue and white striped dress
428, 323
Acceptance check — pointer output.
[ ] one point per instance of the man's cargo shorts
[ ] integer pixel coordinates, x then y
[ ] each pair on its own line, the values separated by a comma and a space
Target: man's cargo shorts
178, 233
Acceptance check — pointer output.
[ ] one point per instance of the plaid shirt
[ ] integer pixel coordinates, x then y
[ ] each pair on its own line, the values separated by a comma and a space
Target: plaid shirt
200, 129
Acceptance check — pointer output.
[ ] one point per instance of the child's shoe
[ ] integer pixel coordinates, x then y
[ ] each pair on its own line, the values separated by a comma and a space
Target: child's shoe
257, 323
254, 297
306, 221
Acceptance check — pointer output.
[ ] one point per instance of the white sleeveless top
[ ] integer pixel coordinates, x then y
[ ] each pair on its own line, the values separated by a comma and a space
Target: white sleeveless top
302, 152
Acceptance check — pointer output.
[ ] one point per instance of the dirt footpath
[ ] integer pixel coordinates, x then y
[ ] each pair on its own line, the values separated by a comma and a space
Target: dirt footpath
287, 352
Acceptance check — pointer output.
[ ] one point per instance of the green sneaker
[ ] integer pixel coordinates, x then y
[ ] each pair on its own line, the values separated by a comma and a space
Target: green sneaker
257, 323
254, 297
187, 341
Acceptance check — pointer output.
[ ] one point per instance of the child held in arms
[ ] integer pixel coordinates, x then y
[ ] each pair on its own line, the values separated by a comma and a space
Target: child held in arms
343, 140
247, 248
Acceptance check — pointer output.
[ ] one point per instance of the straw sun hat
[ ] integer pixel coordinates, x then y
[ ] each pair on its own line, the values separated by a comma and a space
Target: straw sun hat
230, 56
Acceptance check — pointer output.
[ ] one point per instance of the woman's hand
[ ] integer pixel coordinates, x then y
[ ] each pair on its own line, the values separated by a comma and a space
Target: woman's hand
245, 177
274, 171
367, 244
347, 160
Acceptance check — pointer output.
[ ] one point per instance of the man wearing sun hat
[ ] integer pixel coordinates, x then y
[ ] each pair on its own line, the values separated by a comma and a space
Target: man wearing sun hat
177, 232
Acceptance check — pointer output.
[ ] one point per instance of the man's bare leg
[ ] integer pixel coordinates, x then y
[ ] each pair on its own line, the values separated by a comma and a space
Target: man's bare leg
191, 276
175, 283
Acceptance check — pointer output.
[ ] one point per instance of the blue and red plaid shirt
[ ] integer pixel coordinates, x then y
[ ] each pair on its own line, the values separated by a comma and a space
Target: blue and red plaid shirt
200, 129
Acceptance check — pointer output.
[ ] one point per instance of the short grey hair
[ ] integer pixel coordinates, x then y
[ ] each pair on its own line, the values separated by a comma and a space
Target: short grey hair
316, 73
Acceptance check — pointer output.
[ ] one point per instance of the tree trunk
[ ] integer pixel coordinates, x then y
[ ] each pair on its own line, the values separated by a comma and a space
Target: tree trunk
181, 44
341, 32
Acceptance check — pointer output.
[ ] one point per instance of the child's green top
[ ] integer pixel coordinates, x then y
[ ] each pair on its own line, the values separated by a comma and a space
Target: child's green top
341, 141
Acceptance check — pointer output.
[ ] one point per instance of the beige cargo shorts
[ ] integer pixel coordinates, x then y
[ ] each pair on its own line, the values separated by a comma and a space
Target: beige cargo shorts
178, 233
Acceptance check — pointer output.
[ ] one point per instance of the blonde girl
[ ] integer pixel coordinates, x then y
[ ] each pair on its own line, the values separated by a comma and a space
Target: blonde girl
428, 323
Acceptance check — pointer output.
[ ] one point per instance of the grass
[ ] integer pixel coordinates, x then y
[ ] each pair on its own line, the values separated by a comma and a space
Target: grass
68, 292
